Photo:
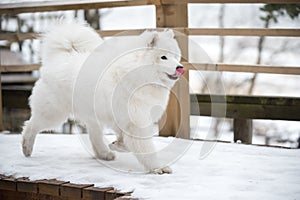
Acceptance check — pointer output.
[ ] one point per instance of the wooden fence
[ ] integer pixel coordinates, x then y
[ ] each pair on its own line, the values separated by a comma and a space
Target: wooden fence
174, 14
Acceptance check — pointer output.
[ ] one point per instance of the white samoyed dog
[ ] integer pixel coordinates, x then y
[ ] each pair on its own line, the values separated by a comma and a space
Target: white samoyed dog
131, 94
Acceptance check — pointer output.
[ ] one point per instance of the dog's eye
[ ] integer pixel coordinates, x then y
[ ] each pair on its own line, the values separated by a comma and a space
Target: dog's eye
164, 58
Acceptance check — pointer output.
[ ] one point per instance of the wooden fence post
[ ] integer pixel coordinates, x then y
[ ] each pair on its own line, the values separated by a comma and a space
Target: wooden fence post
176, 121
242, 130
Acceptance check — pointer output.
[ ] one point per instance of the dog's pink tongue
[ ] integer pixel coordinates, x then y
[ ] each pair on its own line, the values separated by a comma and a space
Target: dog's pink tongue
179, 71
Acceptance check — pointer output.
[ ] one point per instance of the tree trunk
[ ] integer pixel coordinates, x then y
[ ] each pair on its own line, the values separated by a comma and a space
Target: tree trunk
220, 60
93, 18
258, 60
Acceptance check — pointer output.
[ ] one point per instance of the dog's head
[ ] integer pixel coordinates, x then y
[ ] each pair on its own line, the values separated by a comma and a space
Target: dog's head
165, 54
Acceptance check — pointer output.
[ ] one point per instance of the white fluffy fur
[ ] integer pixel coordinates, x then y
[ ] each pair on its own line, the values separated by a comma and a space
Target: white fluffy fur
65, 49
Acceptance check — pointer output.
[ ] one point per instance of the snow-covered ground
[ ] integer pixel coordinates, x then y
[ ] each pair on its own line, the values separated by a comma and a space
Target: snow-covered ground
230, 171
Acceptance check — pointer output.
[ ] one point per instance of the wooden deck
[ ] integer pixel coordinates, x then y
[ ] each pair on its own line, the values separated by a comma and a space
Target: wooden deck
25, 189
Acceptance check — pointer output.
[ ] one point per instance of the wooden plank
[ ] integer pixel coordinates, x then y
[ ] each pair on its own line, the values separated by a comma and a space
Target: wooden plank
42, 6
16, 37
176, 121
8, 184
259, 69
95, 193
73, 191
50, 187
234, 1
19, 68
23, 188
270, 32
12, 195
249, 100
249, 107
8, 79
245, 111
25, 185
110, 33
290, 70
113, 194
242, 129
14, 8
1, 105
16, 96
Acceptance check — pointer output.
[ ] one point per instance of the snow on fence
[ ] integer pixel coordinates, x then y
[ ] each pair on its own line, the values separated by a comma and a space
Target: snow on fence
167, 16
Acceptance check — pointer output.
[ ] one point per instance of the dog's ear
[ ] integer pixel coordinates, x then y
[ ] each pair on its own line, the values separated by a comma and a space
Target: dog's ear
153, 40
169, 33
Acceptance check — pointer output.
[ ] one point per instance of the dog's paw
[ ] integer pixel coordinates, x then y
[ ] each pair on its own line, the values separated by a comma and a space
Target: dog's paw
164, 170
27, 151
27, 147
107, 156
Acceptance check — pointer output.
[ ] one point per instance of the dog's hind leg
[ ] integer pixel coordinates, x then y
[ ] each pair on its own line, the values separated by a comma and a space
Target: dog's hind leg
46, 113
30, 130
98, 142
37, 123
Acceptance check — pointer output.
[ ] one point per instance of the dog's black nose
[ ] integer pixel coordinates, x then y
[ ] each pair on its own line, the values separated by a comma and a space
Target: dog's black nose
179, 67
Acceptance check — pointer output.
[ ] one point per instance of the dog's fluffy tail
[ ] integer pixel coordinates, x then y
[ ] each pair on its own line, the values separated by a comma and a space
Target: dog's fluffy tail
68, 37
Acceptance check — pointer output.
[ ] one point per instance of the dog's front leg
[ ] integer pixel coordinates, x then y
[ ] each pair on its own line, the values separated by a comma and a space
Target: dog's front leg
144, 150
98, 142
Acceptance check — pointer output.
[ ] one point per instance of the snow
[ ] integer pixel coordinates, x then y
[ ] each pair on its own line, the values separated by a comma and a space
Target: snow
230, 171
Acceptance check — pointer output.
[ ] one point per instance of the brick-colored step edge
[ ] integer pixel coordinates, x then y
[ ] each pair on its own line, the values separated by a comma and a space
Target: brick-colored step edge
52, 189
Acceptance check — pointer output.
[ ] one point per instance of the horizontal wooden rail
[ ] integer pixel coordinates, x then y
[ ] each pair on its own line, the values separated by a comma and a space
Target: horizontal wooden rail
231, 1
19, 68
244, 68
16, 96
192, 66
42, 6
247, 107
274, 32
16, 37
18, 78
271, 32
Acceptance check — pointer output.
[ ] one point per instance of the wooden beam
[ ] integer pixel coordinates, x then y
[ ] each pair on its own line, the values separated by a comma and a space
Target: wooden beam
176, 121
25, 7
248, 107
231, 1
109, 33
271, 32
242, 130
1, 104
25, 189
19, 68
16, 96
16, 37
288, 70
18, 78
